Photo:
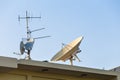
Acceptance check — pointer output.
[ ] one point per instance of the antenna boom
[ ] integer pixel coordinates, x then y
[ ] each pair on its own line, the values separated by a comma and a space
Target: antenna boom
42, 37
37, 30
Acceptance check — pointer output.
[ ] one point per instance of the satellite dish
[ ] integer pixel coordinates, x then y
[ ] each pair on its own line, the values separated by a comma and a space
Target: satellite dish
69, 51
22, 49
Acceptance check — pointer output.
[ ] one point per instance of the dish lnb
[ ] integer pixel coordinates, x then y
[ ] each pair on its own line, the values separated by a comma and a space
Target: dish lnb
69, 52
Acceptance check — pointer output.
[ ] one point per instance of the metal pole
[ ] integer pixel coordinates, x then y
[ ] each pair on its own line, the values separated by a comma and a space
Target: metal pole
27, 25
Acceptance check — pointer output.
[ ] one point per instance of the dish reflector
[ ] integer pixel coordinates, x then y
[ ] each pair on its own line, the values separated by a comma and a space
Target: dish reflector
69, 51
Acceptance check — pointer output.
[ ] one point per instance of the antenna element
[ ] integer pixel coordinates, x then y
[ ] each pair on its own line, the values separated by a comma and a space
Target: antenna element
27, 26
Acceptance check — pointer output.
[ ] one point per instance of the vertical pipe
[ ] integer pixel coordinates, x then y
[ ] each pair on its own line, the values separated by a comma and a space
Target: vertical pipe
27, 24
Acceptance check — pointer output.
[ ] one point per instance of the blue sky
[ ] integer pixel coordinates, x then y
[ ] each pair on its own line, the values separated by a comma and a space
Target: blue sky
65, 20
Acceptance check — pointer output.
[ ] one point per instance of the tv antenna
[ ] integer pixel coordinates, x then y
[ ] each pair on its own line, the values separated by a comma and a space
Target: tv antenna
27, 43
69, 52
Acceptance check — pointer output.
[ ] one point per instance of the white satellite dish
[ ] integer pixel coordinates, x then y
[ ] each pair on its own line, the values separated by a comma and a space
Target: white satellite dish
69, 51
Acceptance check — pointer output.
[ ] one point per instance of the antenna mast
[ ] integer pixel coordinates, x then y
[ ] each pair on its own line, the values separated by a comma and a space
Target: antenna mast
27, 24
27, 43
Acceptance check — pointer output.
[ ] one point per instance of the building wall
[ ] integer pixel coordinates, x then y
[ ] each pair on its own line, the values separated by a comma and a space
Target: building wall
30, 75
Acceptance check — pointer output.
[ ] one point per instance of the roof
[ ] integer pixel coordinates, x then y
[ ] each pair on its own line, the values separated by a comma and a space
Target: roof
7, 64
